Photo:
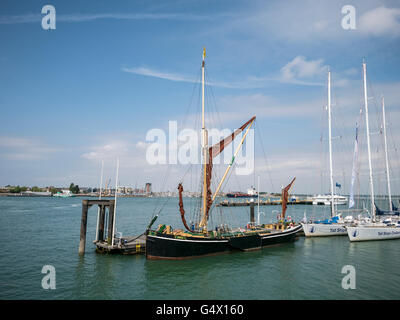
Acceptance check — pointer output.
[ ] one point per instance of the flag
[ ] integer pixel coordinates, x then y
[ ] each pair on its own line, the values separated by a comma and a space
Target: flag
338, 185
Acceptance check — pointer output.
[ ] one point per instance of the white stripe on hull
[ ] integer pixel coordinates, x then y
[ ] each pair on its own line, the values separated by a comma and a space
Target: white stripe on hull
323, 230
372, 233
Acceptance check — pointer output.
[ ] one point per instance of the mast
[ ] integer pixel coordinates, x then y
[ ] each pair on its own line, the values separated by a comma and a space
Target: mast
386, 155
204, 142
368, 140
98, 211
258, 200
115, 206
330, 143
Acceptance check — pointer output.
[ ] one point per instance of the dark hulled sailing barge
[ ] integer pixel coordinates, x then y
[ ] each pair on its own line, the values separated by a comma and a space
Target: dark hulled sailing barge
165, 243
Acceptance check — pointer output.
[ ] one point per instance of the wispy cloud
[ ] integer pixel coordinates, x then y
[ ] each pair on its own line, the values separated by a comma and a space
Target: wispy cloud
79, 17
158, 74
299, 71
248, 83
13, 148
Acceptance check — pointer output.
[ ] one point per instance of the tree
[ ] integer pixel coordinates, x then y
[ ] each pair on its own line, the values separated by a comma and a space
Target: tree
73, 188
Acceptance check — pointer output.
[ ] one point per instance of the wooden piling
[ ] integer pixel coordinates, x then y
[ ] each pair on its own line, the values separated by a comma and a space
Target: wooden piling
252, 219
103, 204
82, 239
110, 223
101, 223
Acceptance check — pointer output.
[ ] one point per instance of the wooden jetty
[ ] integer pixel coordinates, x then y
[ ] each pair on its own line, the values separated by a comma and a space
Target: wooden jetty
105, 230
124, 245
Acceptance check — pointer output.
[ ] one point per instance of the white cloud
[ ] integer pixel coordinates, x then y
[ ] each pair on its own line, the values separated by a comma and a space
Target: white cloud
380, 21
301, 71
111, 150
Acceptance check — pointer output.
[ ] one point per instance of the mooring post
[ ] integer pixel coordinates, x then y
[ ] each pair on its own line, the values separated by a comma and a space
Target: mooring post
101, 223
252, 220
82, 241
110, 222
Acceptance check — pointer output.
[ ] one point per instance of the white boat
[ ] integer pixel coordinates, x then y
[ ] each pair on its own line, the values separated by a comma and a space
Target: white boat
374, 231
327, 200
335, 225
64, 194
386, 228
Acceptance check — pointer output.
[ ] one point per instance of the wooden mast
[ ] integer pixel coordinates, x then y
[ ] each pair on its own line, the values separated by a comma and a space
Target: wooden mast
204, 146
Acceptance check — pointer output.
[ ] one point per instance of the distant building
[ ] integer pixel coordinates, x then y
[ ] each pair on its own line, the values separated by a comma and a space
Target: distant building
148, 188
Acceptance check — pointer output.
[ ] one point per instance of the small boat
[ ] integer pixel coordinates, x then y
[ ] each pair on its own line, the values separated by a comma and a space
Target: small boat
251, 193
327, 200
64, 194
197, 240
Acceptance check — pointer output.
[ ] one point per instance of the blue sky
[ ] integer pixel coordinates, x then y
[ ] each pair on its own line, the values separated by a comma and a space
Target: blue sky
92, 88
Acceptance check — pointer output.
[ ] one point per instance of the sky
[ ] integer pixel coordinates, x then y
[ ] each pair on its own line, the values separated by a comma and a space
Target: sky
91, 89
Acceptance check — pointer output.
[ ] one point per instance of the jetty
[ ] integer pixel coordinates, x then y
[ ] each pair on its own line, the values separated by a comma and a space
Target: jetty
268, 202
106, 241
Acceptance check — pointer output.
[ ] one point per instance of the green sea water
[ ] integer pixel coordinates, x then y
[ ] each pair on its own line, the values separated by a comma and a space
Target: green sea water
35, 232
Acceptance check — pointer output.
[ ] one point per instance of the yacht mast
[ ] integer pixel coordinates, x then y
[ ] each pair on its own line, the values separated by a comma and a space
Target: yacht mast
330, 143
258, 200
115, 203
204, 142
386, 155
371, 182
98, 211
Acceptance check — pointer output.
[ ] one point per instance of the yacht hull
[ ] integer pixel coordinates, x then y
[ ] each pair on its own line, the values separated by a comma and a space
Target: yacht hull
367, 233
324, 230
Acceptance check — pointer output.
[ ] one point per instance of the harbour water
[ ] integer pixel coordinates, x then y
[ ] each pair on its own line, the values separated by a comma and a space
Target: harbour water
45, 231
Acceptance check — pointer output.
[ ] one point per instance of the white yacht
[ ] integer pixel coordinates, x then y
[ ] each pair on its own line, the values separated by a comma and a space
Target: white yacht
327, 200
388, 226
64, 194
335, 225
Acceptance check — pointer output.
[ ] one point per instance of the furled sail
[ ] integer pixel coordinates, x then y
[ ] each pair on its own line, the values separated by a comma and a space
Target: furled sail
214, 151
181, 210
354, 171
285, 196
